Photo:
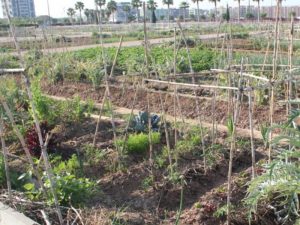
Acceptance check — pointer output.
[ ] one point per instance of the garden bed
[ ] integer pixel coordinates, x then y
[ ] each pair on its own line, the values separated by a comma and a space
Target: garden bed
123, 97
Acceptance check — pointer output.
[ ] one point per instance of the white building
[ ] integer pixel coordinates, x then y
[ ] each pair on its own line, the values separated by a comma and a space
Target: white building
120, 15
19, 8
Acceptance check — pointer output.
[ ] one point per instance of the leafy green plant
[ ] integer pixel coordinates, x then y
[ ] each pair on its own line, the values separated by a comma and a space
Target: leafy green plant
279, 184
148, 182
139, 143
42, 103
220, 212
191, 141
69, 188
140, 122
93, 155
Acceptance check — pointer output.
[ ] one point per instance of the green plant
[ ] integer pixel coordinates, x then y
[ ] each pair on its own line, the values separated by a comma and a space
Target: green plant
220, 212
140, 122
69, 188
139, 143
148, 182
161, 159
279, 185
93, 155
190, 142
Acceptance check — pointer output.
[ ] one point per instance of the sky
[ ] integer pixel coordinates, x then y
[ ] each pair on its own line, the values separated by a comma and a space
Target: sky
58, 8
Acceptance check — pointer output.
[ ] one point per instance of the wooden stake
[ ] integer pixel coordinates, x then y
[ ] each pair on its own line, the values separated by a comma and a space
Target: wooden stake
99, 118
291, 50
36, 121
5, 159
116, 56
196, 99
274, 60
23, 143
146, 56
250, 108
167, 134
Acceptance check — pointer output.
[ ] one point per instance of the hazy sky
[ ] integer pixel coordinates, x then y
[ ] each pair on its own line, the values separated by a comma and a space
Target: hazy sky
58, 8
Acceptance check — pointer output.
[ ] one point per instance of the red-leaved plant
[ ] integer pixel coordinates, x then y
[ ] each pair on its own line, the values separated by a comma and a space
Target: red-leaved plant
32, 139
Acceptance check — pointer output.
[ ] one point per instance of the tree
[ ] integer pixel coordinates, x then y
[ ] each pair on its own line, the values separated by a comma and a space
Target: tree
126, 9
71, 13
198, 13
137, 4
258, 9
100, 3
226, 16
152, 5
87, 13
292, 14
168, 3
184, 5
112, 8
79, 6
249, 16
216, 11
263, 15
239, 9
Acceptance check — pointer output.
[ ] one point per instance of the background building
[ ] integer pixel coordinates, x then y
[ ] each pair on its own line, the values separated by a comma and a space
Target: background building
19, 8
121, 15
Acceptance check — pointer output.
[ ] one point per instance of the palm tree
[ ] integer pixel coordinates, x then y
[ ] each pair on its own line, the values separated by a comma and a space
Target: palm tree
87, 13
258, 9
71, 13
168, 3
100, 3
152, 5
215, 2
184, 5
112, 7
239, 10
137, 4
126, 9
198, 13
79, 6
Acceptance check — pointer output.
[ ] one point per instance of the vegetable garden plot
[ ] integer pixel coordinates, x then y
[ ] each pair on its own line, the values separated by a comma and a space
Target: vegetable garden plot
144, 173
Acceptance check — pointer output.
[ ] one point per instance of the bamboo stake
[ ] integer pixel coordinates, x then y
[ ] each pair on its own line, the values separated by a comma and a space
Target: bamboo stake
146, 56
107, 92
274, 60
19, 70
5, 159
291, 50
232, 149
196, 99
23, 143
131, 113
116, 56
167, 134
190, 85
99, 118
111, 112
175, 91
250, 108
213, 109
36, 121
